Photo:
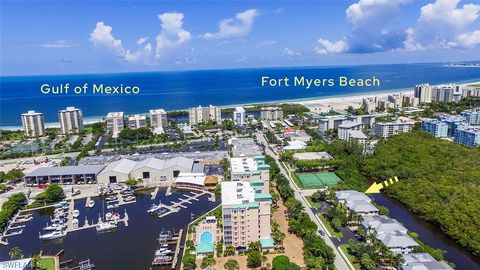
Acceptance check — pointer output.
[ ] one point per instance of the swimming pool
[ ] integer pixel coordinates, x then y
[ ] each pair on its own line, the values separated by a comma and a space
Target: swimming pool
206, 237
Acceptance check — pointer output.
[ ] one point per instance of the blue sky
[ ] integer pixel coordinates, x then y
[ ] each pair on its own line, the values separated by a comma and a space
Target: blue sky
61, 37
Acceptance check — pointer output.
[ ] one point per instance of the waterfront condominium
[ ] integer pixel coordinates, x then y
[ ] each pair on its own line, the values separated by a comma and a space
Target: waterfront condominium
251, 169
424, 93
239, 116
435, 127
467, 135
472, 117
453, 121
246, 215
388, 129
271, 114
33, 124
115, 123
344, 128
204, 115
446, 93
71, 120
158, 119
137, 121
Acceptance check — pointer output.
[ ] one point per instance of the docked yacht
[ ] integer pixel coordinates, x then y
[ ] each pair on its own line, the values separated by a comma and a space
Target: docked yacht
106, 226
52, 235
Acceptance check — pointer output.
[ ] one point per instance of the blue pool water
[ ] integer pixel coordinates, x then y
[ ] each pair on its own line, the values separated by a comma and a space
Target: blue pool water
206, 238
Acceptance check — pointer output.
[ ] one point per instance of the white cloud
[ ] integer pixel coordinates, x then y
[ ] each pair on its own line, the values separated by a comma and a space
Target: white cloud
446, 13
102, 36
441, 24
291, 53
142, 40
172, 33
266, 43
239, 26
142, 55
326, 46
58, 44
466, 40
373, 29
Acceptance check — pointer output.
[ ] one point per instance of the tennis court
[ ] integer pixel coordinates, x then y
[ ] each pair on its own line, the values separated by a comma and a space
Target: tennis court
318, 180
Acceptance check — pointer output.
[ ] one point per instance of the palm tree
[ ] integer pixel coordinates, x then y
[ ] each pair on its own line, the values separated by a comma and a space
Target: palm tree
15, 253
35, 261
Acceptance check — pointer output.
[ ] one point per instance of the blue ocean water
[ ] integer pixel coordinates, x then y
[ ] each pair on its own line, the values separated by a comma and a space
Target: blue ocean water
184, 89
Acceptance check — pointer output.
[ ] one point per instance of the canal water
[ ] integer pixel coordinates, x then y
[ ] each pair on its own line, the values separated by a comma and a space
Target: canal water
429, 234
126, 248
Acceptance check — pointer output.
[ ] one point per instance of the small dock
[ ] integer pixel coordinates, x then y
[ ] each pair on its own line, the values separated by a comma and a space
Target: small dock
176, 240
90, 225
182, 203
15, 227
155, 192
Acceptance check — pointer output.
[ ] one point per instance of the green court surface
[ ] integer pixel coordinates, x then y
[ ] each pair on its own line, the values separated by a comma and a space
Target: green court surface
317, 180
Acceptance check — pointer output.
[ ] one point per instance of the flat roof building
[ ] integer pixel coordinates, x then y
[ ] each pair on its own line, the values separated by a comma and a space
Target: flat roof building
115, 123
239, 116
472, 117
435, 127
388, 129
158, 119
271, 114
244, 147
71, 120
204, 115
467, 135
137, 121
423, 261
249, 168
33, 124
312, 156
246, 215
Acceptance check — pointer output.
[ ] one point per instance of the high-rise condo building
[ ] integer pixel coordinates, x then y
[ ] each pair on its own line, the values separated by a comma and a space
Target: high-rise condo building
204, 115
158, 118
239, 116
115, 123
246, 215
424, 93
71, 120
33, 124
271, 114
137, 121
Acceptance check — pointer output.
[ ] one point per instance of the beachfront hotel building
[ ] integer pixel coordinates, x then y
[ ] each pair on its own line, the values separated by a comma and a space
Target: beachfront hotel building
158, 119
246, 215
250, 169
388, 129
446, 93
115, 123
137, 121
271, 114
435, 127
423, 92
33, 124
71, 120
467, 136
204, 115
239, 116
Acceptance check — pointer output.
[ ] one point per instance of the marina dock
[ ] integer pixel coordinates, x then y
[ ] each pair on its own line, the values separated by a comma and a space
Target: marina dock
15, 227
175, 239
182, 203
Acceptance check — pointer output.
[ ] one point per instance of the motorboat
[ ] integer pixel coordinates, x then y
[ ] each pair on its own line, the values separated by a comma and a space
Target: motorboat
53, 235
90, 204
54, 226
75, 223
75, 213
106, 226
130, 198
111, 198
112, 205
112, 216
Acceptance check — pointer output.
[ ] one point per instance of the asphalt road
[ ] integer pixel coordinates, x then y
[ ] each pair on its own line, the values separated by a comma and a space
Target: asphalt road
340, 262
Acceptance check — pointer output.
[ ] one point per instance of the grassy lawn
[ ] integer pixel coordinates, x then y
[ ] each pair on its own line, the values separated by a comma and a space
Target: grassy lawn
312, 203
297, 181
47, 264
329, 227
350, 257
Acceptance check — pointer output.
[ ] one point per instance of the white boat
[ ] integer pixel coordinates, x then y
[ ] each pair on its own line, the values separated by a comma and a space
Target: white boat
90, 204
52, 235
111, 198
155, 207
76, 213
54, 227
129, 198
75, 223
112, 205
106, 226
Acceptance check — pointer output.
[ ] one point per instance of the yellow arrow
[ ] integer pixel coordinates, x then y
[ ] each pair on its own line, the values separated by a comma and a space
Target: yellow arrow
376, 187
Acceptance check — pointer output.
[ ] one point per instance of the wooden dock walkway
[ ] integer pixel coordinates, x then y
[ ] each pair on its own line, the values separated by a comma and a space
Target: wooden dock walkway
176, 206
177, 249
155, 192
